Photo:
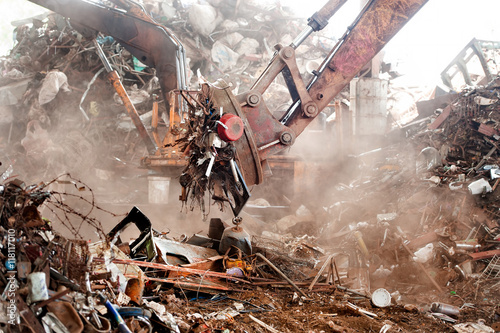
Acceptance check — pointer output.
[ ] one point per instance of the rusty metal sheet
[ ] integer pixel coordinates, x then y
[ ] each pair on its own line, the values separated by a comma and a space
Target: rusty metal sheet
440, 119
484, 255
487, 130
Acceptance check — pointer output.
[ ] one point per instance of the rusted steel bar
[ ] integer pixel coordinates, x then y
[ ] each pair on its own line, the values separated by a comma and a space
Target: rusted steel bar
188, 284
171, 268
52, 299
304, 284
423, 269
441, 118
132, 112
485, 158
114, 78
276, 269
484, 255
316, 278
154, 124
494, 186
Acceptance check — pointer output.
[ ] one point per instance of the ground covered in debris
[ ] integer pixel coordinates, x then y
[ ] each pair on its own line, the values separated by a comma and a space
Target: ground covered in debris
290, 283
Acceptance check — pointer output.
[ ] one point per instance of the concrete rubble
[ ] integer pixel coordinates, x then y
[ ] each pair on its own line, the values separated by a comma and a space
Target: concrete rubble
407, 241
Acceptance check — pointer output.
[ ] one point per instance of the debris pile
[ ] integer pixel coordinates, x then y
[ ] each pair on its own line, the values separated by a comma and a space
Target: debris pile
460, 145
403, 243
59, 113
412, 221
235, 41
342, 280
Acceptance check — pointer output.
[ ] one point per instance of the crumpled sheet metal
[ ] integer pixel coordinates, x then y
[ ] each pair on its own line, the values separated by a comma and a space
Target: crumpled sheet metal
173, 252
120, 272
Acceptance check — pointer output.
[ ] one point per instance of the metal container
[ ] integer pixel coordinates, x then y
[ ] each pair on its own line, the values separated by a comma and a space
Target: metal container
467, 245
447, 309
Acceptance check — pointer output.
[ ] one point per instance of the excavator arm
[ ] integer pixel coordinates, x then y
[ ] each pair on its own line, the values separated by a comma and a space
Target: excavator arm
229, 138
377, 23
262, 134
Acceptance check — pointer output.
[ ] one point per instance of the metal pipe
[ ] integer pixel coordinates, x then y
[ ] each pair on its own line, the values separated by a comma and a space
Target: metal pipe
233, 169
102, 56
301, 37
210, 165
469, 236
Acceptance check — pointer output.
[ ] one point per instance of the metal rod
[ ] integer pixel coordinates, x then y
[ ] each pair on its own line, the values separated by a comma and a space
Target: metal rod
316, 278
301, 37
102, 56
233, 169
351, 291
210, 165
263, 324
52, 299
423, 269
337, 272
172, 268
276, 269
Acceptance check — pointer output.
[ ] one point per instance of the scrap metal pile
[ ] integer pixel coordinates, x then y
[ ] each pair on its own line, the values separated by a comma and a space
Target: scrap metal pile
404, 241
392, 246
52, 79
198, 284
59, 114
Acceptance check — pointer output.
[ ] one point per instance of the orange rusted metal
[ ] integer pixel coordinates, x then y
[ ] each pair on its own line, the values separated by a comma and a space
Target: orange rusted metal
154, 124
134, 290
132, 112
174, 270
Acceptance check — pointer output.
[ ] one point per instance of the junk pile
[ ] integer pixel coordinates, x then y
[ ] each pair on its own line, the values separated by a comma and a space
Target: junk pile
58, 113
235, 41
422, 214
401, 244
229, 280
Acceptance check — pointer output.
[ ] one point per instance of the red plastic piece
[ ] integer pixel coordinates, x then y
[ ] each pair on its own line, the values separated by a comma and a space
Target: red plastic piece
234, 129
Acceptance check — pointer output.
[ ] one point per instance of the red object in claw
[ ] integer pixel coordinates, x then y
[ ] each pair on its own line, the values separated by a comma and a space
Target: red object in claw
234, 129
